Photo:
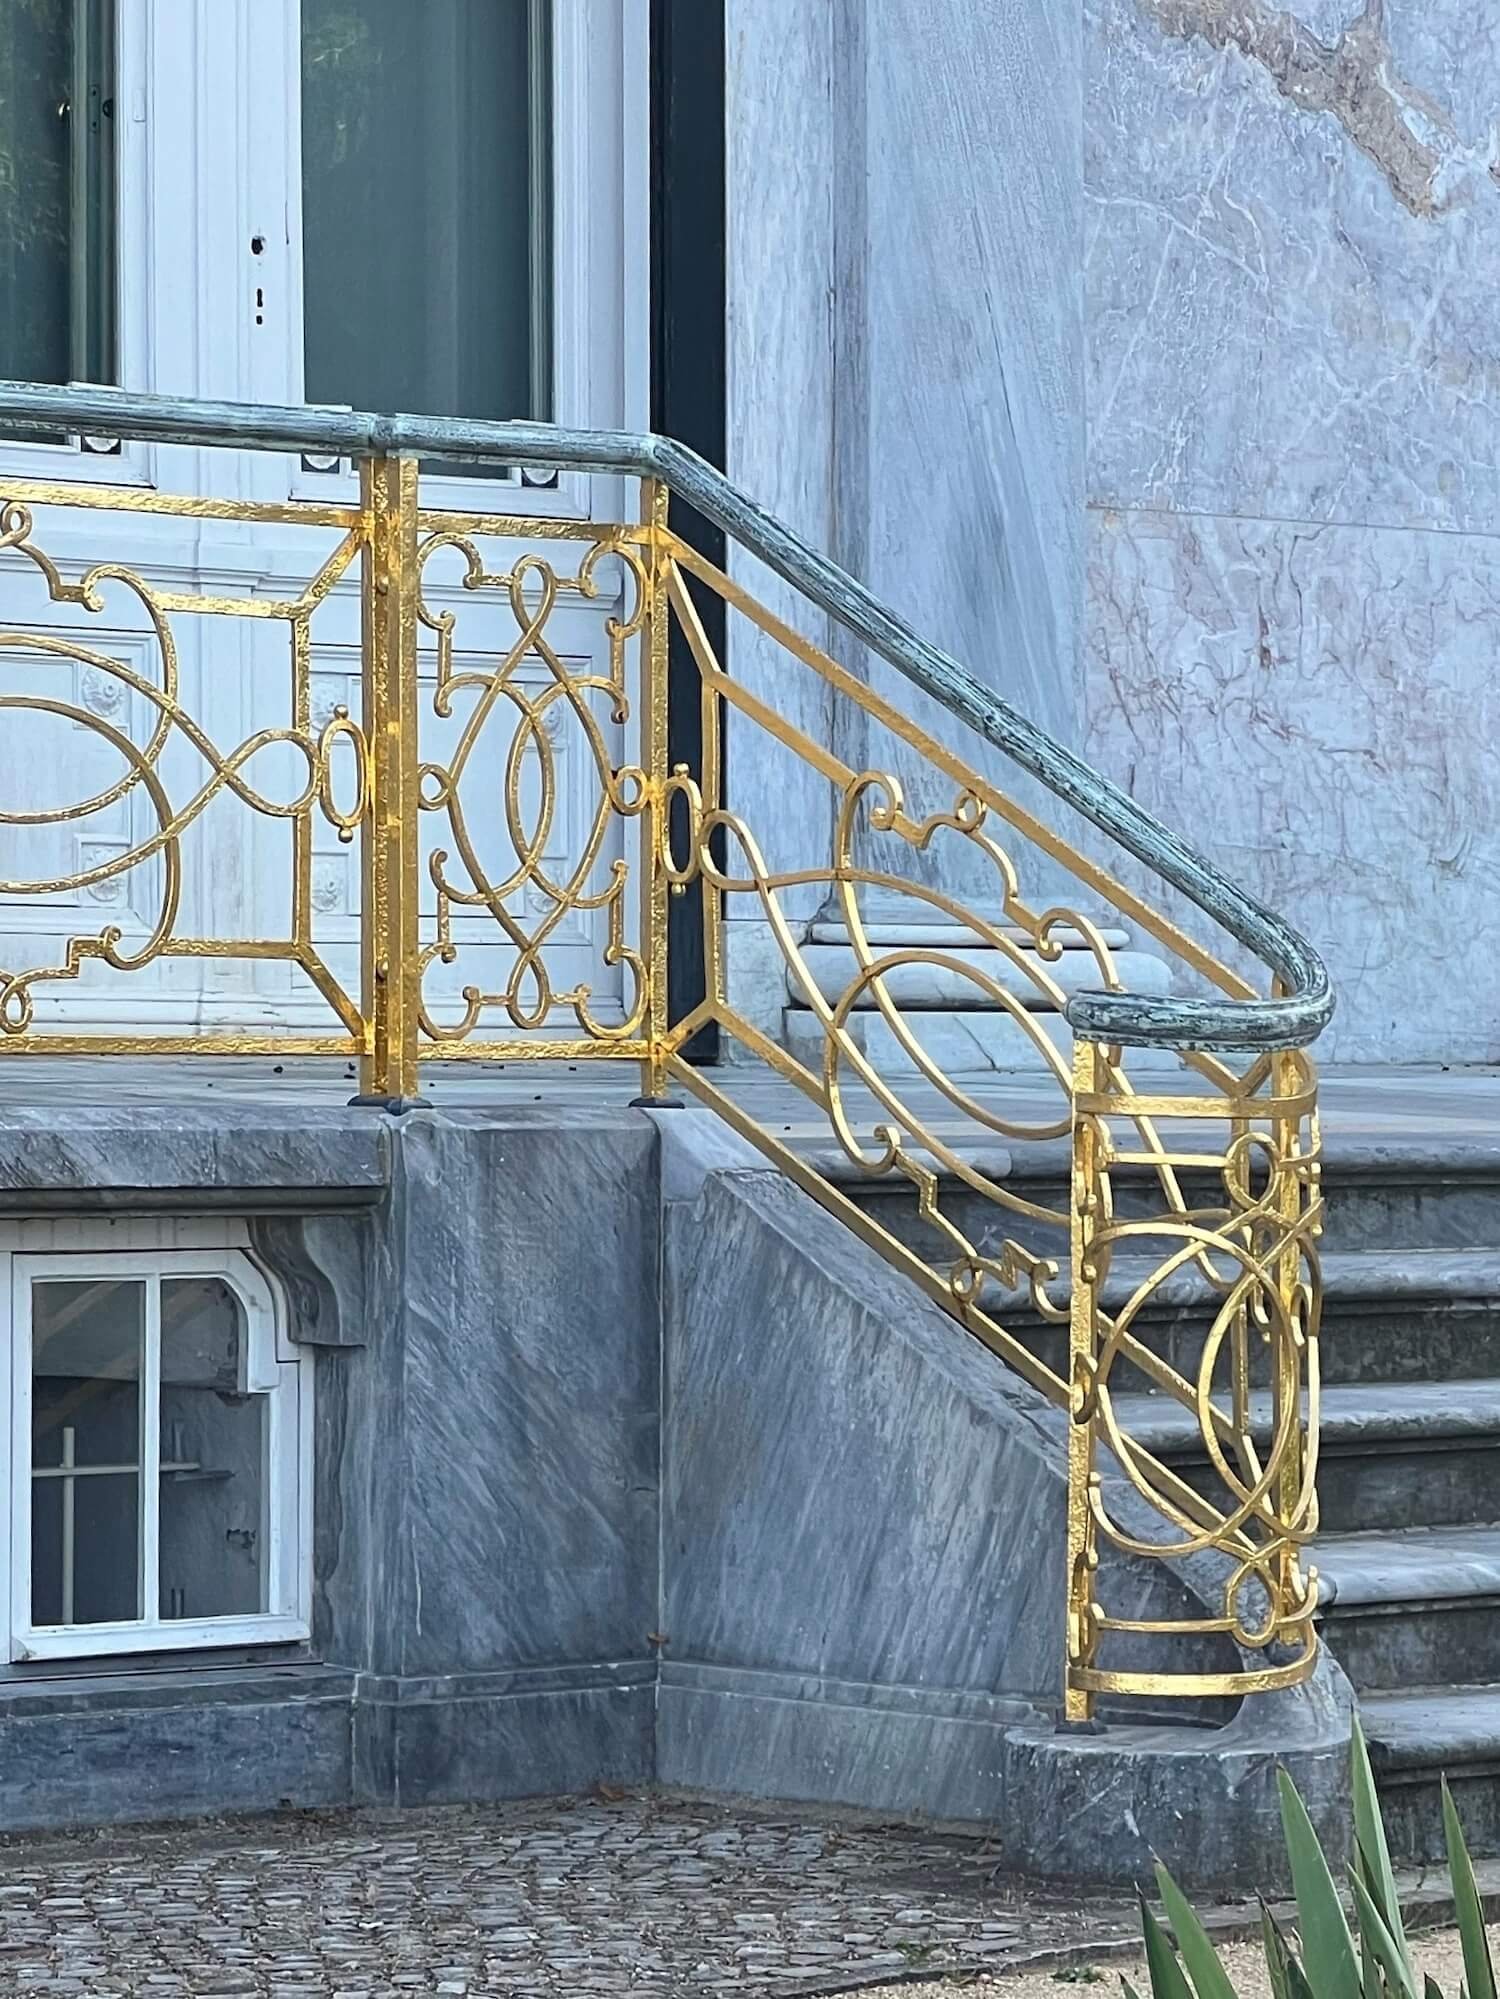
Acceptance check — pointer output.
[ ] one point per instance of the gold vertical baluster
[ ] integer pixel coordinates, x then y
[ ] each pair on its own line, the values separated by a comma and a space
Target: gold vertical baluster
654, 643
710, 780
1082, 1553
1288, 1390
388, 661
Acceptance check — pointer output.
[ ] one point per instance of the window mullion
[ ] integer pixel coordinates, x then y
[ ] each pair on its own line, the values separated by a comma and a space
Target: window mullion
150, 1497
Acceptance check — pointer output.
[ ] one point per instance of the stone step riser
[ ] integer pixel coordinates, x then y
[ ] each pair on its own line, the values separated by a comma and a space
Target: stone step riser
1391, 1486
1419, 1214
1417, 1644
1424, 1341
1412, 1806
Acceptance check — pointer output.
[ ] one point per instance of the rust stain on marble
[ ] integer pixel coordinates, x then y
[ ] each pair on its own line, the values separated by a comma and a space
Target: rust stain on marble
1353, 80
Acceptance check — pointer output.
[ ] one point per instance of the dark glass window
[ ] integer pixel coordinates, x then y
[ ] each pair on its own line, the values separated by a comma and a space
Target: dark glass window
57, 190
426, 196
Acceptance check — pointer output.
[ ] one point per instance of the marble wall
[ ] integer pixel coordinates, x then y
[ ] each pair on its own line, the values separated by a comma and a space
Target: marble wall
1143, 353
1293, 477
905, 373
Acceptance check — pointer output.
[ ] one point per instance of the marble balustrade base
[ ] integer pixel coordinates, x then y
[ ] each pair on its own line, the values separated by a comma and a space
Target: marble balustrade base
632, 1467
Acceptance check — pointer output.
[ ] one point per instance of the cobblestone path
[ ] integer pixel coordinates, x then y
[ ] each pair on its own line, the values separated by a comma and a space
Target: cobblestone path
586, 1898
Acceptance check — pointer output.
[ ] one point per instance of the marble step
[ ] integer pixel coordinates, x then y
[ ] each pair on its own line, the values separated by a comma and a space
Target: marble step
1415, 1608
1418, 1735
1393, 1455
933, 977
947, 936
1397, 1317
959, 1041
1433, 1194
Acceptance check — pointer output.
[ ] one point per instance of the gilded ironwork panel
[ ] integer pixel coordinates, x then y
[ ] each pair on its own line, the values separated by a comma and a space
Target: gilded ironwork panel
526, 717
125, 692
1197, 1276
1205, 1190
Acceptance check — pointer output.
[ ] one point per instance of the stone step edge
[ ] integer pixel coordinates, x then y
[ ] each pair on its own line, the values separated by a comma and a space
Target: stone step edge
1351, 1155
1381, 1276
1383, 1413
1420, 1732
1405, 1569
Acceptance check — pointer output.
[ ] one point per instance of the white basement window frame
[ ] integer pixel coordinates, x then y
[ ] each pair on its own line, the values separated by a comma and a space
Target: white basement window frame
156, 1251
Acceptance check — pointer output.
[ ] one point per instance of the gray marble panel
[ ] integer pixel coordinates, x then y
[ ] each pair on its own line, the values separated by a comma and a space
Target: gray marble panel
526, 1293
975, 336
1293, 247
973, 386
905, 322
831, 1744
534, 1734
853, 1489
1319, 708
782, 142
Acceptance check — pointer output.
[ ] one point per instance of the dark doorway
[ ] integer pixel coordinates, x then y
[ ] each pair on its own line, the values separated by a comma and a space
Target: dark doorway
688, 374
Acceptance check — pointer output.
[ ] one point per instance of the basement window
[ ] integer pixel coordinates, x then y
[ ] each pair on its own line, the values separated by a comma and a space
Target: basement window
159, 1446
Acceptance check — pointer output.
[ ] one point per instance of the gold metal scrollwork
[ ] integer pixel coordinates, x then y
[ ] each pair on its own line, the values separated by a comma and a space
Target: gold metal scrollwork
1202, 1198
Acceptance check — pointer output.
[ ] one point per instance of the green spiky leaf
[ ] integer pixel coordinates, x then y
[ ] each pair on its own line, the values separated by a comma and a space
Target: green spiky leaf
1479, 1971
1370, 1842
1167, 1978
1210, 1980
1381, 1945
1327, 1947
1273, 1943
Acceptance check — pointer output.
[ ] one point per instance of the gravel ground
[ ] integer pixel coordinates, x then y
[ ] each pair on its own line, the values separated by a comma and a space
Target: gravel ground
590, 1898
1437, 1954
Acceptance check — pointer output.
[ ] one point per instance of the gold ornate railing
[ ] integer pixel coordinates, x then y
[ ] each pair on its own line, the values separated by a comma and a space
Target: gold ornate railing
502, 769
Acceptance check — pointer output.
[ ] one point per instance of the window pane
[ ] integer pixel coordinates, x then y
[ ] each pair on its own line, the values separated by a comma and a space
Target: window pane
57, 190
213, 1447
426, 194
86, 1347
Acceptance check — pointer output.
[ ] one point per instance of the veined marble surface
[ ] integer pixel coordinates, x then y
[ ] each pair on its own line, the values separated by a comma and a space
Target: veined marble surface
782, 181
905, 358
1320, 708
1293, 252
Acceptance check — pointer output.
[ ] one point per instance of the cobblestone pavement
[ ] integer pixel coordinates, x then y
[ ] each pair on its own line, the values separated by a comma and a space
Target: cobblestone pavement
586, 1898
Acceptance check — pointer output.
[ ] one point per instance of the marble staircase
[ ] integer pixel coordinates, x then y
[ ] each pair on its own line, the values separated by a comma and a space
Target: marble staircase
947, 984
1409, 1553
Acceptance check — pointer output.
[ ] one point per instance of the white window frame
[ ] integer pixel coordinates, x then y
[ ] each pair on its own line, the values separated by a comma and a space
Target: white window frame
161, 1250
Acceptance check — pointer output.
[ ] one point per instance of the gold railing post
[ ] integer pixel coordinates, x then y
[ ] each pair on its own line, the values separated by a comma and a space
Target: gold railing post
389, 981
1292, 1361
654, 831
1082, 1550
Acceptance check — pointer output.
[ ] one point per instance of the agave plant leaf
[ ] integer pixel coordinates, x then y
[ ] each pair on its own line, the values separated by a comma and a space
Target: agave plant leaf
1370, 1845
1479, 1971
1382, 1946
1288, 1963
1273, 1943
1210, 1979
1431, 1989
1296, 1981
1327, 1947
1168, 1980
